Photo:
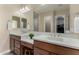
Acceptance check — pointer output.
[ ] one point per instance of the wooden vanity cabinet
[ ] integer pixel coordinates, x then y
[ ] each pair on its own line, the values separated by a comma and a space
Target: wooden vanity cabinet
38, 48
15, 44
52, 49
42, 48
20, 47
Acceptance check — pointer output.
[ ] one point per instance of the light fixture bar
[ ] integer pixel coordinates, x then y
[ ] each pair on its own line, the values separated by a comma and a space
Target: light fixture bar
23, 10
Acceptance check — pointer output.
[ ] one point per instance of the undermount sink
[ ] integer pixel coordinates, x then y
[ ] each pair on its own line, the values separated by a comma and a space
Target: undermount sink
50, 38
25, 37
57, 39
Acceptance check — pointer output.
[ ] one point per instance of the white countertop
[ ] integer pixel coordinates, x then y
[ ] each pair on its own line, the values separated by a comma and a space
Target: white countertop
25, 39
66, 42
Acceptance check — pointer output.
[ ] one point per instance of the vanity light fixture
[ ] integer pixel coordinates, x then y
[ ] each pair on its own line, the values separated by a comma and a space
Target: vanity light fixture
25, 9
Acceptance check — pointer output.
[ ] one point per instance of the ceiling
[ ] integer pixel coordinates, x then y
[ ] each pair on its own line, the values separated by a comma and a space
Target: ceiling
47, 7
39, 8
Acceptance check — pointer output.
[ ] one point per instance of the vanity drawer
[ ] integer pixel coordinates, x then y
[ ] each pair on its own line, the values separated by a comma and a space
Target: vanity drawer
26, 44
17, 44
17, 51
38, 51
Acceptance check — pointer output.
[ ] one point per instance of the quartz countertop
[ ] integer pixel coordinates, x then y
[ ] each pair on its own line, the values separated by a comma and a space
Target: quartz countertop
26, 39
66, 42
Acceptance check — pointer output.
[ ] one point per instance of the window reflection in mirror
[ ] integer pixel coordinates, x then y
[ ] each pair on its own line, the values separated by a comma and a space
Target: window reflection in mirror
24, 23
36, 21
16, 21
60, 24
76, 24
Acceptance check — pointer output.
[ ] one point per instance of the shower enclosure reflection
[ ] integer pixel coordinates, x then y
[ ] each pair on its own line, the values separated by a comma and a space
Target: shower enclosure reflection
60, 24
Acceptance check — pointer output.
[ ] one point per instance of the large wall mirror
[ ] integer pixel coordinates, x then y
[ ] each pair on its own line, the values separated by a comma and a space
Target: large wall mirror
52, 20
45, 18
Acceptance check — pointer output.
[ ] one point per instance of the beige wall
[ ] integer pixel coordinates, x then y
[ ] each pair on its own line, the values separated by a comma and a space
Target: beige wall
74, 10
6, 12
4, 34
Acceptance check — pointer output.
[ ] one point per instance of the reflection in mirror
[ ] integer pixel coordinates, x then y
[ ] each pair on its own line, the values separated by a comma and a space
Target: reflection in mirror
49, 25
36, 21
60, 24
42, 18
15, 21
76, 24
24, 23
47, 20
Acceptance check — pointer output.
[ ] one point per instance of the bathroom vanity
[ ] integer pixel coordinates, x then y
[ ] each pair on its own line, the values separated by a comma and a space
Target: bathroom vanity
43, 45
15, 42
19, 47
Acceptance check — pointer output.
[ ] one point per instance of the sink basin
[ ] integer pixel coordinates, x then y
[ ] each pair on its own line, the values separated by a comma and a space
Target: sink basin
57, 39
48, 37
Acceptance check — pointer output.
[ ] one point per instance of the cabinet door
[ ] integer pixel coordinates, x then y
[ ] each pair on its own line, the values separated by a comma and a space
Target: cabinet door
12, 44
17, 51
17, 47
17, 44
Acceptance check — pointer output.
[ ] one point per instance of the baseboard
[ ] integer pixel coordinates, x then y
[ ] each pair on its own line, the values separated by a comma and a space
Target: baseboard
5, 52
